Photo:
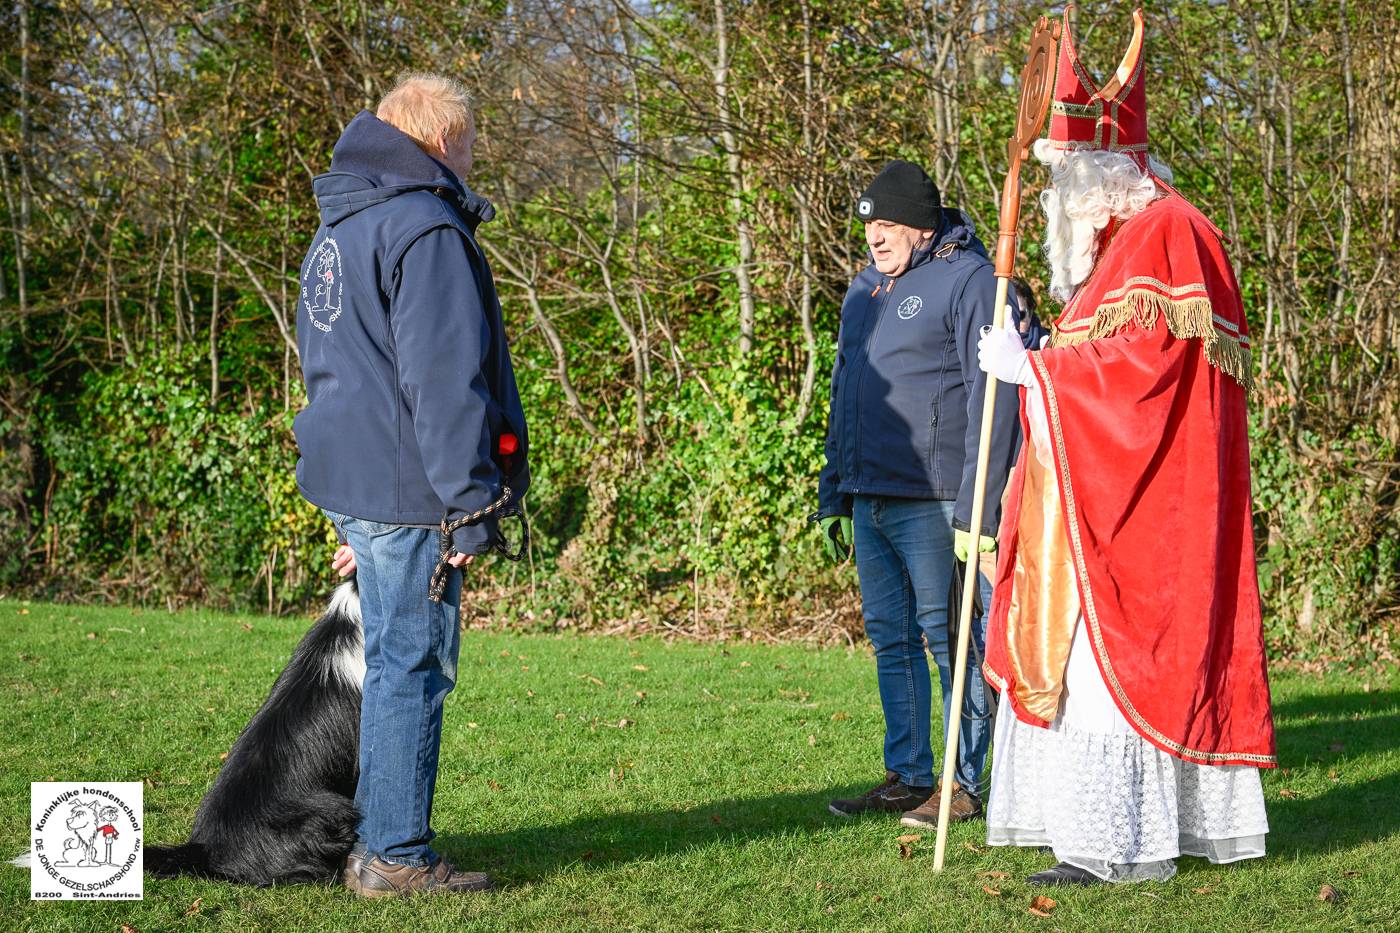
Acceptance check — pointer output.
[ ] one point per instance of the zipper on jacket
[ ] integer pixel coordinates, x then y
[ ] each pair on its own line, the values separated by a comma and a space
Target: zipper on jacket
860, 384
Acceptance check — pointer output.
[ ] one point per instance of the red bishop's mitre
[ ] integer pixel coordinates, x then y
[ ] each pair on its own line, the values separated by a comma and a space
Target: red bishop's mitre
1113, 117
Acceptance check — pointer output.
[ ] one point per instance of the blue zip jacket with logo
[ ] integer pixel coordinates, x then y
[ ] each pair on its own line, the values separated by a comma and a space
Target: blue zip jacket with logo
408, 376
906, 391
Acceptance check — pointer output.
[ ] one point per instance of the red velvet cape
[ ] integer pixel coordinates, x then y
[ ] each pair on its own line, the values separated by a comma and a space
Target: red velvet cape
1145, 387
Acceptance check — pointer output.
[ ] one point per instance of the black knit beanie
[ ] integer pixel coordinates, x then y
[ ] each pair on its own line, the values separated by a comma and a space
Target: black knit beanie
903, 193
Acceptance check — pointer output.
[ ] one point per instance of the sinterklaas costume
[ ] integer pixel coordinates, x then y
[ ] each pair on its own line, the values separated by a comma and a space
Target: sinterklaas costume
1125, 634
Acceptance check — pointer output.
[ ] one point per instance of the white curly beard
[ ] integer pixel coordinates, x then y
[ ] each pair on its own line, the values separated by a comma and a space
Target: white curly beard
1088, 188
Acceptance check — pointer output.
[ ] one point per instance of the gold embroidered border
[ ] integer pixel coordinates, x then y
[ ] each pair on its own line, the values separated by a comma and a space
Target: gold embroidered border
1174, 291
1091, 612
1188, 312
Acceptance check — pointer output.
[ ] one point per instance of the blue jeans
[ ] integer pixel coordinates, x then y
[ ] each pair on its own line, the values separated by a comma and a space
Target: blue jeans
904, 554
411, 648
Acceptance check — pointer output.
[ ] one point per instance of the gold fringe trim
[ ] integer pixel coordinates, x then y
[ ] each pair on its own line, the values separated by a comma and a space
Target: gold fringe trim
1187, 318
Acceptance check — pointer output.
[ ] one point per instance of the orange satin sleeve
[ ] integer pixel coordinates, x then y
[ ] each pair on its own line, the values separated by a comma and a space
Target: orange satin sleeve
1044, 604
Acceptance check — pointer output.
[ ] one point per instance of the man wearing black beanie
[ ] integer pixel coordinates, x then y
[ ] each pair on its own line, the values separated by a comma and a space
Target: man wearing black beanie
901, 451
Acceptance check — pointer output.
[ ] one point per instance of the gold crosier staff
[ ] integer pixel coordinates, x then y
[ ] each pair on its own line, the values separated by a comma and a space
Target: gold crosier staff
1037, 85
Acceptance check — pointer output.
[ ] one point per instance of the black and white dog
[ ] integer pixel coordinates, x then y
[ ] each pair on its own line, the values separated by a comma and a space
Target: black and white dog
282, 809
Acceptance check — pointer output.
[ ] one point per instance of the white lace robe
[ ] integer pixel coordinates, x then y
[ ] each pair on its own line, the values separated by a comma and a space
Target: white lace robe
1105, 799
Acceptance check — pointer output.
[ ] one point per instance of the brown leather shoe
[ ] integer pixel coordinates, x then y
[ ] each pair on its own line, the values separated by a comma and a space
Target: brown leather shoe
351, 874
377, 878
965, 806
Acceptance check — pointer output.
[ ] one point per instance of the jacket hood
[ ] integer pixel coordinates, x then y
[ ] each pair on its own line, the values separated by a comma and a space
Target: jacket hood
374, 162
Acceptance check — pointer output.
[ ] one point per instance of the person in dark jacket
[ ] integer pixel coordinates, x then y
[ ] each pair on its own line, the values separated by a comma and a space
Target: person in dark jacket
901, 453
412, 415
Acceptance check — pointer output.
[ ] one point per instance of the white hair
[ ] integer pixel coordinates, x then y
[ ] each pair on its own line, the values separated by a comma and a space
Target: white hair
1088, 188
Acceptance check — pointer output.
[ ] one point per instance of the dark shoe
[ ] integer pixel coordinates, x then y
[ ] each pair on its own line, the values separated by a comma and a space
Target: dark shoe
1064, 874
377, 878
965, 806
893, 796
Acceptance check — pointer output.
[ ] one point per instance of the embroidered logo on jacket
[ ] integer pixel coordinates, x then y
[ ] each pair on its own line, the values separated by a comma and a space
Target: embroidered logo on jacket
321, 286
909, 307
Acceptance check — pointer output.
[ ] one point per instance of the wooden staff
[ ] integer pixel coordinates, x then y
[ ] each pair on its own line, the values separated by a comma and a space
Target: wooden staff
1037, 86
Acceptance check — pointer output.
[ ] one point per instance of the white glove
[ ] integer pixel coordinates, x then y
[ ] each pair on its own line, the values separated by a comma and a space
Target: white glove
1001, 354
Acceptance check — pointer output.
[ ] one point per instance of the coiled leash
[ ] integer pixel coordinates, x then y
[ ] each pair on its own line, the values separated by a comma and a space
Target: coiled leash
504, 507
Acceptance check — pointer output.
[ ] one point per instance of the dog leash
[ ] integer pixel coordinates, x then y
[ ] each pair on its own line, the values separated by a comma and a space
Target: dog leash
504, 507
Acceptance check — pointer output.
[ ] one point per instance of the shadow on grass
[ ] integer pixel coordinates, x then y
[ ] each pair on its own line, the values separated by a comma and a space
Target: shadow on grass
1334, 736
1328, 734
533, 853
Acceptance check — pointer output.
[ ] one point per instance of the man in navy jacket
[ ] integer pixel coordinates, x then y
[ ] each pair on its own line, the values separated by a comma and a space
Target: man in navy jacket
412, 415
901, 451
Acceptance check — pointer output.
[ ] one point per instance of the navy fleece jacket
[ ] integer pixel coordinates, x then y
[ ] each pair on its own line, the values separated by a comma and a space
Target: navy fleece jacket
906, 391
408, 375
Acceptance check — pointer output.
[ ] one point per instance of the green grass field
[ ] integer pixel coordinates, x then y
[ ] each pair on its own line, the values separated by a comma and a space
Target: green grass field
639, 785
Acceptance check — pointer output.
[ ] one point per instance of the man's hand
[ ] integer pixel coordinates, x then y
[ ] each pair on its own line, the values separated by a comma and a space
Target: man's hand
460, 560
1000, 353
838, 534
343, 562
962, 544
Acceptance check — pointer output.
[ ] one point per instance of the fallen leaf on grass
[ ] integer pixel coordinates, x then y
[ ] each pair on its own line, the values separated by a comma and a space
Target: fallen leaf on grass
1290, 794
1351, 874
1042, 905
910, 837
91, 635
1206, 890
194, 908
812, 740
529, 693
1329, 894
876, 898
639, 667
24, 612
473, 725
906, 851
714, 818
593, 680
840, 717
994, 875
587, 856
128, 928
224, 757
992, 891
976, 850
494, 785
247, 627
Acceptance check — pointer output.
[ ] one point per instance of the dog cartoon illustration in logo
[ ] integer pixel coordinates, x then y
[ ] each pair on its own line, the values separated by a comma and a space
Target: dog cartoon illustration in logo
83, 823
